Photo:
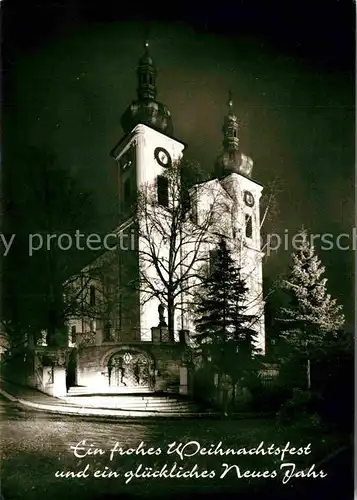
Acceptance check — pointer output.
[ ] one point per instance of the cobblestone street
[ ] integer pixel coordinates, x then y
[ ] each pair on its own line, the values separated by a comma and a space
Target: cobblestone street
36, 452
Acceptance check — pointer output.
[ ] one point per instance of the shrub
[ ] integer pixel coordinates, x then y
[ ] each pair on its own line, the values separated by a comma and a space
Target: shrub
203, 387
334, 381
268, 398
302, 405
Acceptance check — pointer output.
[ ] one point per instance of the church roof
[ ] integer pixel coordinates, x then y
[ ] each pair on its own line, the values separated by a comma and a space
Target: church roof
148, 112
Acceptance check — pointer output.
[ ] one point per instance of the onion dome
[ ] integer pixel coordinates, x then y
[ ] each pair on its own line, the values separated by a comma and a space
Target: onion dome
146, 109
231, 160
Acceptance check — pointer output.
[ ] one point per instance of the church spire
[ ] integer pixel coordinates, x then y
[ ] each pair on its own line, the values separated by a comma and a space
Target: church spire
230, 101
146, 76
146, 109
231, 160
230, 128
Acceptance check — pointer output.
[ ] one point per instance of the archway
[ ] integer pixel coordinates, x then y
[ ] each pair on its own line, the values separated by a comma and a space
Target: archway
132, 369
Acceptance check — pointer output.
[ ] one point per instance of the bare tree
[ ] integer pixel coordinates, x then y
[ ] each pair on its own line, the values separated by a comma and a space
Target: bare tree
270, 202
178, 223
173, 233
178, 220
269, 205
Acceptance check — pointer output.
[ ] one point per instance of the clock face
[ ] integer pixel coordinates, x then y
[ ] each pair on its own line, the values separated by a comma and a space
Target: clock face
163, 157
248, 198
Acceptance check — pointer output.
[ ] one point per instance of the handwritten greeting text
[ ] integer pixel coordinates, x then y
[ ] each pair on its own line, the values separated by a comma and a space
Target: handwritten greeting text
182, 466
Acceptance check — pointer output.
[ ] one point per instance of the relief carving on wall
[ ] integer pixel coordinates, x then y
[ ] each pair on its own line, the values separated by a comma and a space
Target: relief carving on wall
130, 369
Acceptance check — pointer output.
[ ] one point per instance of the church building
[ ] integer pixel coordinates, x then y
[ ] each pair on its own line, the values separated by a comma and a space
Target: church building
122, 340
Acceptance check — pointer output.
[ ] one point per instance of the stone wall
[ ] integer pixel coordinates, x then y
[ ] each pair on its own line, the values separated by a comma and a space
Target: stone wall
19, 371
217, 389
29, 370
165, 358
52, 381
19, 367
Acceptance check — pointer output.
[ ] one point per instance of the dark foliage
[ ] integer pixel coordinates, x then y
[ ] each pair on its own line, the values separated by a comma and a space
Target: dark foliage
49, 201
224, 330
269, 397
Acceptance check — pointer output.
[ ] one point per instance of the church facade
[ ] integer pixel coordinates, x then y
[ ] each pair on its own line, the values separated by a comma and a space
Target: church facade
124, 340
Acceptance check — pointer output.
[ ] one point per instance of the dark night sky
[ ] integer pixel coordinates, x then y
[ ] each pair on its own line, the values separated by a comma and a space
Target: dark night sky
69, 73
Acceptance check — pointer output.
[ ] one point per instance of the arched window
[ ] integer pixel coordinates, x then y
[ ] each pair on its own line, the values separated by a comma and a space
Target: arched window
194, 211
162, 190
108, 330
92, 296
248, 226
212, 260
73, 334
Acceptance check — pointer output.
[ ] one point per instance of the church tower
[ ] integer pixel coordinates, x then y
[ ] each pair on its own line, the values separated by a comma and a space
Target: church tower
147, 148
126, 346
234, 171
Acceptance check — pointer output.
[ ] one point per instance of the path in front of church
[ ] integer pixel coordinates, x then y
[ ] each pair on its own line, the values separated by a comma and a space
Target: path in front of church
38, 447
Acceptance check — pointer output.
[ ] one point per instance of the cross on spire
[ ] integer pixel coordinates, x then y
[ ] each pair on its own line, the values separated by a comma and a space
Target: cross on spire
231, 159
230, 99
146, 109
146, 37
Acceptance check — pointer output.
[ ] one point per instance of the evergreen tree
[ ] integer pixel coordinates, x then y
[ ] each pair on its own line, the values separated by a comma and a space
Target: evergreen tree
224, 332
313, 315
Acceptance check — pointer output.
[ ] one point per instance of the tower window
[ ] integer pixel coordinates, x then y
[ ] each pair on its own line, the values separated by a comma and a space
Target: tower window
194, 212
108, 330
162, 190
248, 226
127, 189
73, 334
92, 296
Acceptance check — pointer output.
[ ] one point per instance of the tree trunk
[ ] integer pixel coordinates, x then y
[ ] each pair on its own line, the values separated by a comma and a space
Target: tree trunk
234, 383
225, 402
308, 367
308, 374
